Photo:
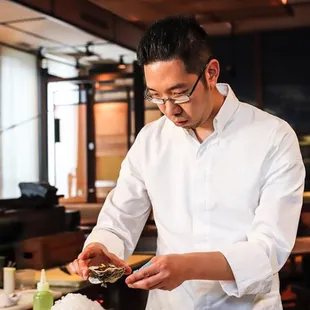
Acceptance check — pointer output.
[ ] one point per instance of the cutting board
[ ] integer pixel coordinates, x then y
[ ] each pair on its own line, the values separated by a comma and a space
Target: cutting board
25, 302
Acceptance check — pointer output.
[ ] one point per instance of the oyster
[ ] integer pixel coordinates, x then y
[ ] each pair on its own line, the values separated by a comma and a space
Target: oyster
105, 273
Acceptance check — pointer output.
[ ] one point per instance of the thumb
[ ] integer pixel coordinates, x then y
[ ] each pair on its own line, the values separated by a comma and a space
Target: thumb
87, 253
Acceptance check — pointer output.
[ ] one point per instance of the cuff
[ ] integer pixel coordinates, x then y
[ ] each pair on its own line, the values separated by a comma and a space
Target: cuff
113, 243
251, 268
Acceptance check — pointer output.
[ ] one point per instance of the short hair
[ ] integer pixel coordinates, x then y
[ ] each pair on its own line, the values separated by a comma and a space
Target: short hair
176, 37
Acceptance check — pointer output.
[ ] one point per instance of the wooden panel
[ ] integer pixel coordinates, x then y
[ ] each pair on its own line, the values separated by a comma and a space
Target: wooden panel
111, 118
108, 168
89, 17
111, 139
248, 16
49, 251
142, 10
86, 15
152, 115
246, 13
41, 5
131, 9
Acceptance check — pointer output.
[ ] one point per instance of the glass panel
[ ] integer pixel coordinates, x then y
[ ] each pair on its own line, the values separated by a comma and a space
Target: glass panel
67, 158
111, 144
286, 86
19, 134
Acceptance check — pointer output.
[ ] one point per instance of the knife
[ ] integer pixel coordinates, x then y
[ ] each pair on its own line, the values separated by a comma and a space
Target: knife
65, 270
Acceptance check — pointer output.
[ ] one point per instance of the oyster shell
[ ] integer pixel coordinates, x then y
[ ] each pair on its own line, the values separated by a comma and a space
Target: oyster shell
105, 273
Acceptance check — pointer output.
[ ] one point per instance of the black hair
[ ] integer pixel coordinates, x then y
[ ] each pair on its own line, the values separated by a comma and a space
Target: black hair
175, 37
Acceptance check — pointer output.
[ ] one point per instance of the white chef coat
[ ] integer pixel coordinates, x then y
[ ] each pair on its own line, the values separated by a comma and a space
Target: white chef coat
239, 192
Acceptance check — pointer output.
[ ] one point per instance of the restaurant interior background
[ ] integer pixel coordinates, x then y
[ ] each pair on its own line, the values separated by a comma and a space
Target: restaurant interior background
71, 92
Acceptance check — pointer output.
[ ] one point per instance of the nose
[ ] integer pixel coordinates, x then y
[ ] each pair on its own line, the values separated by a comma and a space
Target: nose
172, 109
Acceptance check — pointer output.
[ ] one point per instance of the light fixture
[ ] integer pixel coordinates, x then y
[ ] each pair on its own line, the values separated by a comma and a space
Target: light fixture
121, 64
284, 2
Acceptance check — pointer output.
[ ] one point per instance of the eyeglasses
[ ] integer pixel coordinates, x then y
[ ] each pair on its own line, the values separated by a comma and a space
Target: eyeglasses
182, 98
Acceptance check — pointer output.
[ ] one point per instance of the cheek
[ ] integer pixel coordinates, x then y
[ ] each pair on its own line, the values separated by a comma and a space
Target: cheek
161, 108
193, 110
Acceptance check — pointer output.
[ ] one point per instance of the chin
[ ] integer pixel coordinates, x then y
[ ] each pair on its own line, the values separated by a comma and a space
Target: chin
188, 126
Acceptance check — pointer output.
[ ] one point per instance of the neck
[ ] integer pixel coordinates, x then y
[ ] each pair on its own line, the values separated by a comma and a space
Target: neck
206, 128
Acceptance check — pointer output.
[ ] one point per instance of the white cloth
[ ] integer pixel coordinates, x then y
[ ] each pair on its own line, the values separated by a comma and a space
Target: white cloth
239, 192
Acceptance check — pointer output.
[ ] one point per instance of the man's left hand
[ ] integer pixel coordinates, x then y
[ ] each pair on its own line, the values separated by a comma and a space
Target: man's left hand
165, 272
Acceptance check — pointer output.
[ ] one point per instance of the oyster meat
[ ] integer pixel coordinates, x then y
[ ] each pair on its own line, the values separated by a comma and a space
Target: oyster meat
105, 273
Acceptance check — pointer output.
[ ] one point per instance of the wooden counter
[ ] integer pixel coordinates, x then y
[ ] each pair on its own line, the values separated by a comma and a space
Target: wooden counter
57, 277
302, 246
62, 284
307, 197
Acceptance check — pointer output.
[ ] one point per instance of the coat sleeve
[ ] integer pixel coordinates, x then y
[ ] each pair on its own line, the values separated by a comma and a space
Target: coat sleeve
273, 232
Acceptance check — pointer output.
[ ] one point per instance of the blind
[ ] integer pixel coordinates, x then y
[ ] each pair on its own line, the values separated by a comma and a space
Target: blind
19, 151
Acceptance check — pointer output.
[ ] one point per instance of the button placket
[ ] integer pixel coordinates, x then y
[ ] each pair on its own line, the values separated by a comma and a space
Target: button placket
204, 159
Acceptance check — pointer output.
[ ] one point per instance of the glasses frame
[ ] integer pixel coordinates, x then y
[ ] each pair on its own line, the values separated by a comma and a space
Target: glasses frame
161, 101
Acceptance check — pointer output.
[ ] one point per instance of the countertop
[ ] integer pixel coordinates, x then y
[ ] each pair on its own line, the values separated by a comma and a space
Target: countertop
62, 283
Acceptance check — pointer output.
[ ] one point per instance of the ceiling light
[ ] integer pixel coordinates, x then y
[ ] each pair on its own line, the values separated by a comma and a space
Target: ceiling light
121, 64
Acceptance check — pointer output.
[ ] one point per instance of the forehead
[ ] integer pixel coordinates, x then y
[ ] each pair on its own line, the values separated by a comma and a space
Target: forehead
165, 74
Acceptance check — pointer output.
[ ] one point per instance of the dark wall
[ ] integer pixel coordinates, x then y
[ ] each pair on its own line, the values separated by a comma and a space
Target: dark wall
273, 66
236, 57
286, 76
285, 72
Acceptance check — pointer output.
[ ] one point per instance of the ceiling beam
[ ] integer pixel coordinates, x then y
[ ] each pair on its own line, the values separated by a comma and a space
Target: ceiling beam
300, 19
90, 18
245, 14
150, 10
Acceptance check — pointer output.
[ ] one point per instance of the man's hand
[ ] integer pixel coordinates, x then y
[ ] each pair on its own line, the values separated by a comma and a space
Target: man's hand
94, 255
165, 272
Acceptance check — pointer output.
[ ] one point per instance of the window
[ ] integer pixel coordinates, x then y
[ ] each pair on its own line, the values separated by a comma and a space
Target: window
19, 134
286, 68
67, 153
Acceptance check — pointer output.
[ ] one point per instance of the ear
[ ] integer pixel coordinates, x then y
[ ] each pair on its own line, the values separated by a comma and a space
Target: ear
212, 73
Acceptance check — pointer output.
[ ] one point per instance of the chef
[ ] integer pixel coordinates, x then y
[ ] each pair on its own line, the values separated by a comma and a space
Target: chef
224, 179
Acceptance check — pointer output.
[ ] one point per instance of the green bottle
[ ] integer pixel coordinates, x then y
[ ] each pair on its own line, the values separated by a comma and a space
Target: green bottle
43, 299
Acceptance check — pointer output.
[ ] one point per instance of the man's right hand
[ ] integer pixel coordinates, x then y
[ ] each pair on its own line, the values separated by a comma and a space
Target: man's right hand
94, 255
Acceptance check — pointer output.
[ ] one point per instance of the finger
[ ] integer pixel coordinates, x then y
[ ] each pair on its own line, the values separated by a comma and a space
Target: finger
119, 262
148, 283
160, 286
141, 274
74, 266
128, 269
83, 266
90, 252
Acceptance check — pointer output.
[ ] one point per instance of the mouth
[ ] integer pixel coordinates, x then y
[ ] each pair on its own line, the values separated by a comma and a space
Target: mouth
180, 124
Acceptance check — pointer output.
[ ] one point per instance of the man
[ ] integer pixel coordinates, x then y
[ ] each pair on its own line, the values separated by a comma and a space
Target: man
225, 181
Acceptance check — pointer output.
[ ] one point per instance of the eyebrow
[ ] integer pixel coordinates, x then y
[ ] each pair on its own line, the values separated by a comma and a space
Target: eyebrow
177, 86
